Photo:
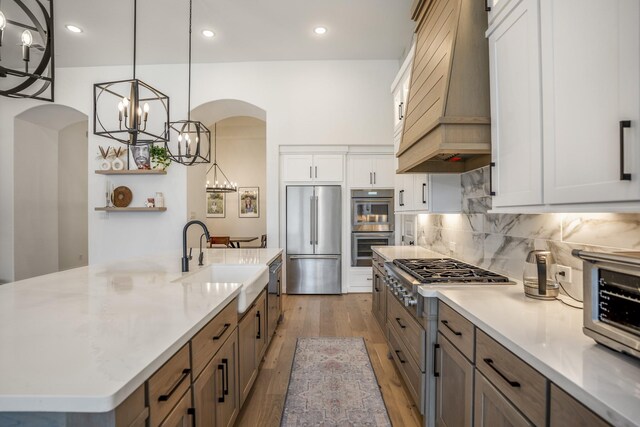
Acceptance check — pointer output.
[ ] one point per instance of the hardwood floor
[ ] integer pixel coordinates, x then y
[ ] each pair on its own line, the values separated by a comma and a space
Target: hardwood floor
310, 316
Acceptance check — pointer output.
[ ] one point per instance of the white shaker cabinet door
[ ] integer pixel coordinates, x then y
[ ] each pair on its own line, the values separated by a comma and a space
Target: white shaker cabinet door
360, 172
516, 128
328, 167
384, 171
297, 168
591, 88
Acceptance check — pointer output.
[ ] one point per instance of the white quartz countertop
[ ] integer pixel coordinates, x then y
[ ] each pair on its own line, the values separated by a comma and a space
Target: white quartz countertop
548, 336
82, 340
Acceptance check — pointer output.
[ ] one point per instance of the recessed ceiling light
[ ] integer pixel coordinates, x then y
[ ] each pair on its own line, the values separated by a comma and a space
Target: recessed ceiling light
208, 33
320, 30
73, 28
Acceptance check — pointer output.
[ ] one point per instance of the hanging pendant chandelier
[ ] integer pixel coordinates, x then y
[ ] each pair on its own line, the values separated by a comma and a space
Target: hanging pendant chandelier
192, 144
220, 184
26, 49
130, 111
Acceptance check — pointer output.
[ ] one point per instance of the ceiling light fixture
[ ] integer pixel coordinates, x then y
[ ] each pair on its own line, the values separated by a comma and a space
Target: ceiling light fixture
73, 28
29, 26
193, 144
208, 33
122, 110
320, 30
218, 186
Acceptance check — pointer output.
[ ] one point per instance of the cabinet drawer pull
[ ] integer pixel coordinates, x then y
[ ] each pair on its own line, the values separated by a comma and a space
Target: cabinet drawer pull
224, 329
487, 8
623, 125
221, 368
491, 166
400, 323
398, 353
446, 323
514, 384
259, 334
436, 346
165, 397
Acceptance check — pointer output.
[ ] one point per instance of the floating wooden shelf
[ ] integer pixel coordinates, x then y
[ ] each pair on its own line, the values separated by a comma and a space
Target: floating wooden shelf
132, 172
131, 209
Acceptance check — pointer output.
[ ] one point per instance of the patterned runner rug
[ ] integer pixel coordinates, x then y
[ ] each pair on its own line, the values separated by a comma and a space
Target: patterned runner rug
333, 384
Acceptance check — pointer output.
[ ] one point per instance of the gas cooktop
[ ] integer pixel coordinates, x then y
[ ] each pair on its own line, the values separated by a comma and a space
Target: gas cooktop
447, 270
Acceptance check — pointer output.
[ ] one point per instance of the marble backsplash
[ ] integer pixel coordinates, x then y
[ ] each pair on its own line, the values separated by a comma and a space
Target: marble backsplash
500, 242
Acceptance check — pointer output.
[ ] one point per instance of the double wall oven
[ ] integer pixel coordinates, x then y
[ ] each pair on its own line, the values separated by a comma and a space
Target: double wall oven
372, 223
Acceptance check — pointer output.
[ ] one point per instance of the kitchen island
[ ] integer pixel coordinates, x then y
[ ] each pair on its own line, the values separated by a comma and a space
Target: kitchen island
83, 340
548, 336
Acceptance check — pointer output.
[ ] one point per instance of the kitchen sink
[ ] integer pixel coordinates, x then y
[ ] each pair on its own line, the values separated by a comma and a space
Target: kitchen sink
253, 278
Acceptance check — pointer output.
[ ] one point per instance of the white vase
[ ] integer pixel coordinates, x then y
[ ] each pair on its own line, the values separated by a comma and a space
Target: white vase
105, 165
117, 164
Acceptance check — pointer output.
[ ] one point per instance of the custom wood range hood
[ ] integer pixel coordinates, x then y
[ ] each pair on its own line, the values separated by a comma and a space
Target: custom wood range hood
448, 122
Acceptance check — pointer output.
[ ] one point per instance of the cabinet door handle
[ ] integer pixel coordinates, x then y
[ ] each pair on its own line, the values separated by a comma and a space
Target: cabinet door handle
491, 166
401, 196
259, 325
278, 291
316, 171
225, 386
398, 353
374, 178
221, 333
370, 178
446, 323
310, 172
436, 346
400, 323
174, 387
221, 397
487, 8
424, 193
623, 176
192, 413
400, 111
514, 384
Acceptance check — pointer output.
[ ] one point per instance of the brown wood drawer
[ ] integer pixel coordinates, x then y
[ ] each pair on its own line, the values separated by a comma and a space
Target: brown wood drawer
457, 329
407, 329
210, 338
168, 384
133, 411
519, 382
409, 370
378, 262
182, 415
565, 411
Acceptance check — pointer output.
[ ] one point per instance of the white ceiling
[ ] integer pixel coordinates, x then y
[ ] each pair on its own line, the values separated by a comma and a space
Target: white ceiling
246, 30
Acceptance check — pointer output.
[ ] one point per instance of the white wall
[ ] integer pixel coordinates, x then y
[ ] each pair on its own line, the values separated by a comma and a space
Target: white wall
307, 102
73, 245
36, 201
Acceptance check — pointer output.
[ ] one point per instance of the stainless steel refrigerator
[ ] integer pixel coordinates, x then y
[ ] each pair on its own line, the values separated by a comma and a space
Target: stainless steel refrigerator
314, 239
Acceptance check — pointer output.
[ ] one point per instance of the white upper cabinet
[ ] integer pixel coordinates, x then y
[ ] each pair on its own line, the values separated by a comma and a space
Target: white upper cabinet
591, 71
312, 167
400, 92
371, 171
516, 129
495, 8
565, 100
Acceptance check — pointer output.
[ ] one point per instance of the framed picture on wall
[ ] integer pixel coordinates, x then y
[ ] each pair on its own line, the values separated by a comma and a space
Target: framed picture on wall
215, 205
249, 202
140, 156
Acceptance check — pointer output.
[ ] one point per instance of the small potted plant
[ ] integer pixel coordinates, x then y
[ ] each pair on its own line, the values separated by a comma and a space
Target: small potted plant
159, 158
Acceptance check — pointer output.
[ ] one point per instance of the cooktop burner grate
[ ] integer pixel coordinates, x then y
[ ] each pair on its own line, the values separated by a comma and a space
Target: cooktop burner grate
447, 270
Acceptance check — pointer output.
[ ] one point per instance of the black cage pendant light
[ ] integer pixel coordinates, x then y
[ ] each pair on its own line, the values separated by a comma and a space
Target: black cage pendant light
221, 184
191, 142
130, 111
26, 49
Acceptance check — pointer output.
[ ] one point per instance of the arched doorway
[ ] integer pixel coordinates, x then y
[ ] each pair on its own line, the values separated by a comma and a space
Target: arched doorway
239, 129
50, 190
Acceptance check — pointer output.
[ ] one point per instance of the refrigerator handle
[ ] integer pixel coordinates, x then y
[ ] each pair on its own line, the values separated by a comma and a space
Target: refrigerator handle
311, 221
316, 224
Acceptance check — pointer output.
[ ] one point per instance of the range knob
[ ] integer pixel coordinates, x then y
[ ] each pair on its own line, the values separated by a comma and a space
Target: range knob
410, 301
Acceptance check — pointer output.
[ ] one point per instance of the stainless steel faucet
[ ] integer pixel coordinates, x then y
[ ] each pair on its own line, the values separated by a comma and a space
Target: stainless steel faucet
185, 258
